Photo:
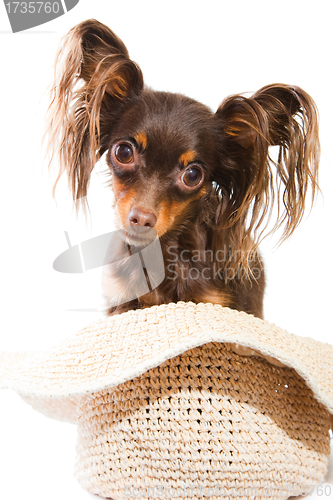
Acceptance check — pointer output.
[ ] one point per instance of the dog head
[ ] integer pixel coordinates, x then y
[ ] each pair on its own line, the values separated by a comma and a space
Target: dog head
171, 157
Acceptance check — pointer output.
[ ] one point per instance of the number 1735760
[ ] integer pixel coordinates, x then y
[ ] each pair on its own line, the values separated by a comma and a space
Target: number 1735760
33, 7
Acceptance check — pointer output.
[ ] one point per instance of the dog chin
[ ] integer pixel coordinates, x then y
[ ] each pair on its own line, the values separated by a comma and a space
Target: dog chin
139, 238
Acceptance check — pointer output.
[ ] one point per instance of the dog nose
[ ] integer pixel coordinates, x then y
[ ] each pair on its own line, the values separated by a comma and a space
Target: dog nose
141, 218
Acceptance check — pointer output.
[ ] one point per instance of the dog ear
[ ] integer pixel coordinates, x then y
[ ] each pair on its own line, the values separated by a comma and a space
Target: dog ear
250, 180
94, 77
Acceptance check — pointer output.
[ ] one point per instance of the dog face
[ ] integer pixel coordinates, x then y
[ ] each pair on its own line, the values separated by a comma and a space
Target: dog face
162, 154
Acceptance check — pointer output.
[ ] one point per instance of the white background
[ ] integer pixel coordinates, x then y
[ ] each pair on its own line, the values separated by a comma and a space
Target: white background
206, 50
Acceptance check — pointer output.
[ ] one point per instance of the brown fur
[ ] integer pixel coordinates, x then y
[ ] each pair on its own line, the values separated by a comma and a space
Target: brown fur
99, 100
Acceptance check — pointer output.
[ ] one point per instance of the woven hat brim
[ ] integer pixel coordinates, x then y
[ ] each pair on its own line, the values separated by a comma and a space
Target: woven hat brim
112, 351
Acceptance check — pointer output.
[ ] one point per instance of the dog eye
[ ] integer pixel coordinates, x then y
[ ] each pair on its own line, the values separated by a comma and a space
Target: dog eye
124, 153
192, 177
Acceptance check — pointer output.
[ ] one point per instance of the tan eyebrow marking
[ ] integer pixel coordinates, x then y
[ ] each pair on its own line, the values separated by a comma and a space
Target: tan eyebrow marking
187, 158
141, 139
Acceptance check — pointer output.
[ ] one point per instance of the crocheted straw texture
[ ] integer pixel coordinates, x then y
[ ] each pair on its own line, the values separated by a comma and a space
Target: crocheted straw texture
207, 423
112, 351
164, 404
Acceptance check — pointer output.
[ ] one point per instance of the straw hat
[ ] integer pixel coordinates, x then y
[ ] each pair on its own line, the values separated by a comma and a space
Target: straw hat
166, 405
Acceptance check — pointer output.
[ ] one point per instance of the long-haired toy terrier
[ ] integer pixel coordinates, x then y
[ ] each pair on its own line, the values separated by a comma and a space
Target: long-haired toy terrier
205, 183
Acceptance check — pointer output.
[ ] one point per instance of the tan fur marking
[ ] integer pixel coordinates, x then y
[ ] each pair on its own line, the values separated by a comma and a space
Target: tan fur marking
124, 199
141, 139
168, 213
187, 158
215, 297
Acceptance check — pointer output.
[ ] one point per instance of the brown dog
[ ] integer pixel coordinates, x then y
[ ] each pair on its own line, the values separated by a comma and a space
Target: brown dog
204, 182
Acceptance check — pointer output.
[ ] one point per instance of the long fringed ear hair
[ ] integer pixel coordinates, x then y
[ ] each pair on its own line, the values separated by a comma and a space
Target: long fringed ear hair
94, 77
249, 179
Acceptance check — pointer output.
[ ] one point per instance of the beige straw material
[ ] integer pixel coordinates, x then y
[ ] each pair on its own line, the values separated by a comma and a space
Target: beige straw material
205, 424
112, 351
167, 407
